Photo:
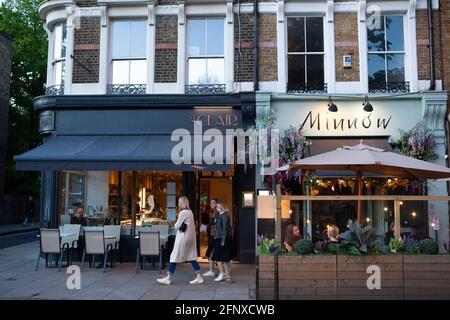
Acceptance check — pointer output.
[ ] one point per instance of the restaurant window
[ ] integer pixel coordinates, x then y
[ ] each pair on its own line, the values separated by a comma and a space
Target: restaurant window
73, 194
206, 59
155, 195
386, 54
59, 54
128, 57
305, 54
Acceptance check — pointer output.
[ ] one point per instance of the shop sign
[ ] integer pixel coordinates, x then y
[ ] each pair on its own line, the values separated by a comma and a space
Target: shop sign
216, 120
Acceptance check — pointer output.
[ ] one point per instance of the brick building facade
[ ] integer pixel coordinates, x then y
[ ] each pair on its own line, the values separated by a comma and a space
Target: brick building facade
193, 55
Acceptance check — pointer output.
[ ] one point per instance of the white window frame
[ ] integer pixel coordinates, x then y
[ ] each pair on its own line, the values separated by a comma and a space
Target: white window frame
61, 60
404, 51
188, 57
323, 53
112, 58
66, 195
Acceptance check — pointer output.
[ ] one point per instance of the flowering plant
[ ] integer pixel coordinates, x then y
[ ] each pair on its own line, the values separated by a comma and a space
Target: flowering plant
293, 146
417, 143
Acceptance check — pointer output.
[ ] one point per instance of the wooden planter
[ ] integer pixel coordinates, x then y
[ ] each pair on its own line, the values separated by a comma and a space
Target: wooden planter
345, 277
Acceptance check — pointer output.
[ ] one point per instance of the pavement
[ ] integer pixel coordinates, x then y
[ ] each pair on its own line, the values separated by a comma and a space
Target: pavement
18, 280
18, 228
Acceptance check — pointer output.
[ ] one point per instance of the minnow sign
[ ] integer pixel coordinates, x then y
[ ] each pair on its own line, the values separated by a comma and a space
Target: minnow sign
314, 119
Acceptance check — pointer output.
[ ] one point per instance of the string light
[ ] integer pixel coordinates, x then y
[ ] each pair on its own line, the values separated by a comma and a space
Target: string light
308, 221
385, 208
368, 219
413, 214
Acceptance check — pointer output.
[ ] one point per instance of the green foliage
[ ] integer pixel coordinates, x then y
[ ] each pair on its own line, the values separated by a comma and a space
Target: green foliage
395, 245
411, 247
363, 238
428, 246
303, 247
19, 19
269, 246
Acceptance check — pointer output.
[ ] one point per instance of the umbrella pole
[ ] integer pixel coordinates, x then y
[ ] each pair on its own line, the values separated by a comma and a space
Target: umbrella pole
359, 194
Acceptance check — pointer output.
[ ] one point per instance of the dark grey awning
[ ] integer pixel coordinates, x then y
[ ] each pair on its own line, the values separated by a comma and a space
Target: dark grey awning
101, 153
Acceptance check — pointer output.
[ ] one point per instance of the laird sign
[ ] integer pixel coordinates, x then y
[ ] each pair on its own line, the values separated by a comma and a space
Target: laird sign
216, 119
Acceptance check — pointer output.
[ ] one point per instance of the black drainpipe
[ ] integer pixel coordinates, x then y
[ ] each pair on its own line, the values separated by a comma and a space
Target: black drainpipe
431, 44
255, 46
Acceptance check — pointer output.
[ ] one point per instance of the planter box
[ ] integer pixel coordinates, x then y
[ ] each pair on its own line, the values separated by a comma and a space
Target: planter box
345, 277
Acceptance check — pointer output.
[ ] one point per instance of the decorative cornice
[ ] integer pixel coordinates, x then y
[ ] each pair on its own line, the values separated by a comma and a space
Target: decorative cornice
181, 13
280, 11
362, 10
330, 11
412, 9
151, 14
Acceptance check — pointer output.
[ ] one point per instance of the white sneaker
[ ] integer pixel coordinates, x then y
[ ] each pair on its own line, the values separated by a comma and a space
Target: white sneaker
209, 274
219, 278
197, 280
165, 280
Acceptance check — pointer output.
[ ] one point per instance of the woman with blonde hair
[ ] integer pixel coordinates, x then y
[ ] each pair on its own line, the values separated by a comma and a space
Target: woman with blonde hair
185, 246
222, 243
333, 233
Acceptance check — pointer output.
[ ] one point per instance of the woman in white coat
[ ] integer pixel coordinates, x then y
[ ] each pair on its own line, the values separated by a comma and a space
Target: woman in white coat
185, 246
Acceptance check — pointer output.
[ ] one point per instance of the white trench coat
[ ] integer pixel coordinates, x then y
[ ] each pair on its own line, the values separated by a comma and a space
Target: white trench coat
185, 246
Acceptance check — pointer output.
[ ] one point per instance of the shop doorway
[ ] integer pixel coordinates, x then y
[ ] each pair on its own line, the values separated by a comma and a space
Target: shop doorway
213, 186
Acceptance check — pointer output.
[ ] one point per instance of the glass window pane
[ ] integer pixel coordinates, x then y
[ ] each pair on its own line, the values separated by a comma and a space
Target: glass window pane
138, 72
196, 37
64, 40
76, 190
58, 42
121, 70
296, 35
314, 34
377, 73
395, 68
296, 69
394, 33
215, 69
138, 32
375, 34
215, 37
60, 72
120, 39
314, 64
197, 71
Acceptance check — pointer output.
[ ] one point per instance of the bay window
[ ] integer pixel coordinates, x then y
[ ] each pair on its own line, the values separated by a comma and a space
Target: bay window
59, 57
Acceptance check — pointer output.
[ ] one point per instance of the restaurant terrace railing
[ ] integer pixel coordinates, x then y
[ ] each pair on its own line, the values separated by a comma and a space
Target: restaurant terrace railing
306, 88
389, 87
205, 89
54, 90
125, 89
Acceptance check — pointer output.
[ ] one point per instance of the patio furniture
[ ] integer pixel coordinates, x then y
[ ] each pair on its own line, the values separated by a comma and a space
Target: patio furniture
112, 236
95, 244
70, 234
148, 246
163, 230
50, 243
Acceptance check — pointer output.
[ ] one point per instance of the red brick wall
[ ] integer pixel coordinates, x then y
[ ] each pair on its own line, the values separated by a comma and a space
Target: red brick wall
166, 52
423, 56
445, 40
346, 38
268, 47
243, 48
86, 51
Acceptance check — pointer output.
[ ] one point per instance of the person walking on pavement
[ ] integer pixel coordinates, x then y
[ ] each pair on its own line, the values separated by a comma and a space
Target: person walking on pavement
210, 230
223, 243
185, 246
